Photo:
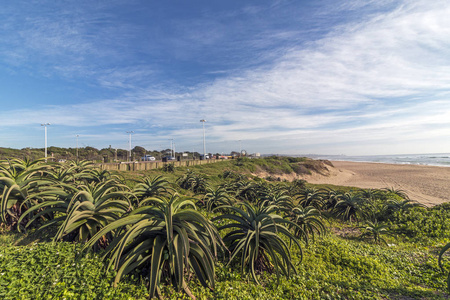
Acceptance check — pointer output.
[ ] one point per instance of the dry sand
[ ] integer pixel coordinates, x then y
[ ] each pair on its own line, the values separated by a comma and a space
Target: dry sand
429, 185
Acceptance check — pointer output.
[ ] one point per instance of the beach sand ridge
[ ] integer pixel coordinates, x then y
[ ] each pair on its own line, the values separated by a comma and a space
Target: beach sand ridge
429, 185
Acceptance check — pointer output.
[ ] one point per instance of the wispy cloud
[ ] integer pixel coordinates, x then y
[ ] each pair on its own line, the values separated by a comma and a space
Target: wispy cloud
64, 38
389, 61
382, 75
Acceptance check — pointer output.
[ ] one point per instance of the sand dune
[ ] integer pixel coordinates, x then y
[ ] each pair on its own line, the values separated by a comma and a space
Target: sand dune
427, 184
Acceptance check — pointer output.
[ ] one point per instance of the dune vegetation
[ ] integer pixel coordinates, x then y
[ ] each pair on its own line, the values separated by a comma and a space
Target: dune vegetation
213, 231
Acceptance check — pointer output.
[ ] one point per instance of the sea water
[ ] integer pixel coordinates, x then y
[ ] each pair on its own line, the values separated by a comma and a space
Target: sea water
440, 159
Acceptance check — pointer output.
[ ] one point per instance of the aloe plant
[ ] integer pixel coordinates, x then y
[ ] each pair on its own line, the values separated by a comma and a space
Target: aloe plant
167, 236
350, 207
247, 191
311, 197
62, 173
215, 198
228, 174
194, 182
331, 198
17, 179
277, 197
374, 231
81, 169
370, 194
255, 237
309, 222
97, 175
401, 205
81, 210
81, 165
296, 186
398, 192
151, 187
441, 255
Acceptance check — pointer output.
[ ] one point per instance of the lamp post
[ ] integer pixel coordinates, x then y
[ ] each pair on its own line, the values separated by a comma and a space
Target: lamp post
130, 133
45, 129
204, 143
77, 146
174, 151
171, 148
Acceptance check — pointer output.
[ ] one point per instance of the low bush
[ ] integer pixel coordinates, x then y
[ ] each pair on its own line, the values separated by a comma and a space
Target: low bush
422, 224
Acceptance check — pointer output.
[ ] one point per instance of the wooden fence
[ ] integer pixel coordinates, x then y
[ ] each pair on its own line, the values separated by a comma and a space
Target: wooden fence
150, 165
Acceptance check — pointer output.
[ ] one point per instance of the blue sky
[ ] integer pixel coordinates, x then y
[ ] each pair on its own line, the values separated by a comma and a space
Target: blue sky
287, 77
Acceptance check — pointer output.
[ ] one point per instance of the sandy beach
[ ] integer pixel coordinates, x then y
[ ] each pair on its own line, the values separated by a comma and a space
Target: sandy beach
429, 185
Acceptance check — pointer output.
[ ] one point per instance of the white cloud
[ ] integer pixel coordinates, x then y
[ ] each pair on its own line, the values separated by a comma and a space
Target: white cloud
384, 81
390, 61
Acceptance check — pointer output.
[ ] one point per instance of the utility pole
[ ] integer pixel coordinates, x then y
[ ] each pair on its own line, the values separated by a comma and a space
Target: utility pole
204, 143
130, 133
45, 129
171, 147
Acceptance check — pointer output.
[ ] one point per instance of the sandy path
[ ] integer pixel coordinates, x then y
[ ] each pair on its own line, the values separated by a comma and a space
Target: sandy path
427, 184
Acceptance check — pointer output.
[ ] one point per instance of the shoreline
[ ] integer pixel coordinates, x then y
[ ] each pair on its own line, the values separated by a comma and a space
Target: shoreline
392, 163
429, 185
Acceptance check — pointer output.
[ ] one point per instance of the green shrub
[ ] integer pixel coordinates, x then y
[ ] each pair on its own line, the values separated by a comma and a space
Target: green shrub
422, 223
169, 168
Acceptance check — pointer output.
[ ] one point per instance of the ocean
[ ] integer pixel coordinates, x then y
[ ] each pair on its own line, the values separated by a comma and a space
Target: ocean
439, 159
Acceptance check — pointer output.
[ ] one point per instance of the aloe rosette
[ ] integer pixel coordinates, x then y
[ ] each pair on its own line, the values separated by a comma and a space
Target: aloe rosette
167, 236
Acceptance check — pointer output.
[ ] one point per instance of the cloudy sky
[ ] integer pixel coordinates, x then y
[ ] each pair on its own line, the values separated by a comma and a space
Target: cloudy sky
287, 77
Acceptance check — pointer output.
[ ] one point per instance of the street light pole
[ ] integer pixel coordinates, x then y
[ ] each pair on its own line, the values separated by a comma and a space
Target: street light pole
130, 133
204, 143
171, 147
45, 129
